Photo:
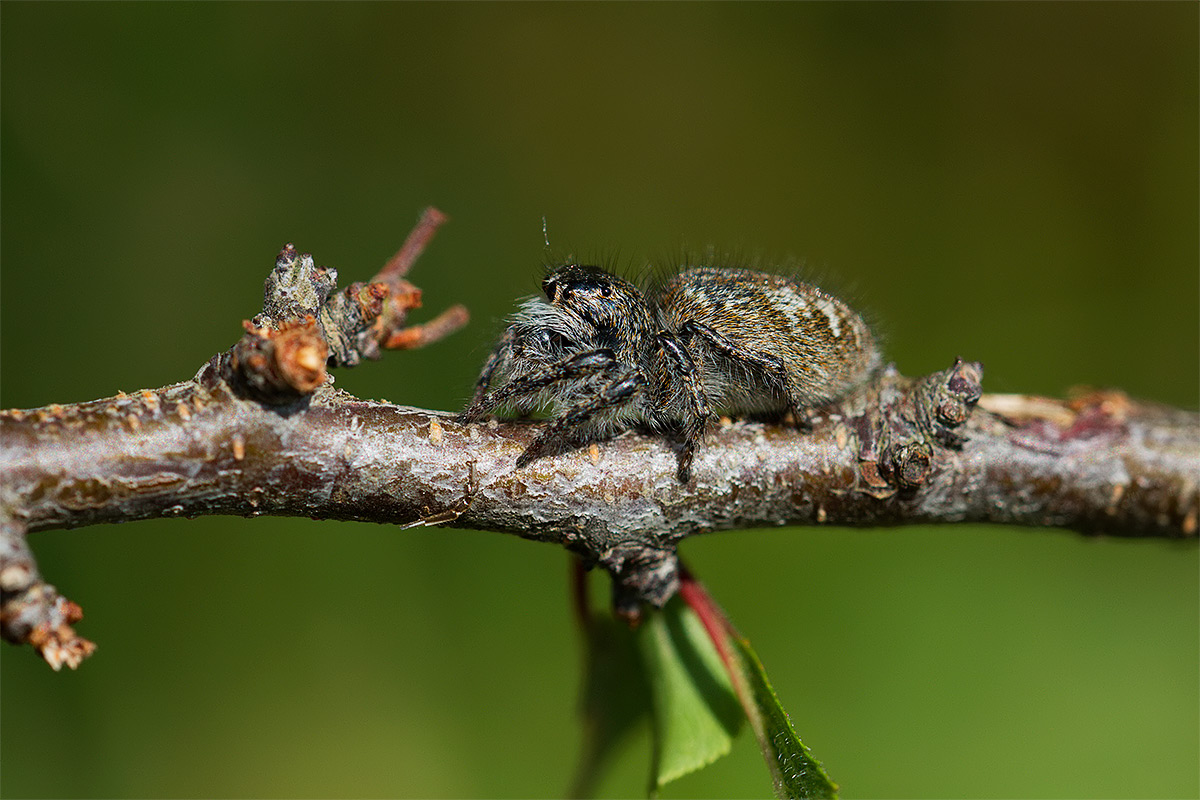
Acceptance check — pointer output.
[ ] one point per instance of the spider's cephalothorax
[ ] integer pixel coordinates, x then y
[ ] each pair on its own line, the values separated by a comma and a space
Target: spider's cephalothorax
601, 355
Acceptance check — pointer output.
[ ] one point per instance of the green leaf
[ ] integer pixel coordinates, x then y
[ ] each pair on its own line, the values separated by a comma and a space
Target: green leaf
795, 772
703, 680
615, 696
696, 712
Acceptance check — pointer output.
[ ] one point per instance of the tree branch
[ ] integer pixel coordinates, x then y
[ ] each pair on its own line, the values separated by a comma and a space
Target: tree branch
261, 430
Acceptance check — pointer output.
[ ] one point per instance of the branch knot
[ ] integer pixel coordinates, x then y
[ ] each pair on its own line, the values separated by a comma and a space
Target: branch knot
899, 436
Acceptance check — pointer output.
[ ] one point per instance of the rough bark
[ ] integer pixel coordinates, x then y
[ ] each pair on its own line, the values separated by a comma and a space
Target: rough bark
261, 430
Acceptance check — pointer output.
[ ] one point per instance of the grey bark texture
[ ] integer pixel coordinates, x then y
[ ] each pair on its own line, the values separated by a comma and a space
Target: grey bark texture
262, 430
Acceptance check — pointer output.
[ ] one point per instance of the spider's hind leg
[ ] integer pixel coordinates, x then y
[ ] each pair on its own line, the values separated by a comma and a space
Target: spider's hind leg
692, 430
770, 367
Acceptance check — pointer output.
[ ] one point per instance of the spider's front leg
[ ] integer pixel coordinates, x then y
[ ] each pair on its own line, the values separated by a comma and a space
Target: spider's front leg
612, 394
499, 354
577, 366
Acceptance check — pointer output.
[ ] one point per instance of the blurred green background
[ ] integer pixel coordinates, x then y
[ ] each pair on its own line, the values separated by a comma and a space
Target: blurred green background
1011, 183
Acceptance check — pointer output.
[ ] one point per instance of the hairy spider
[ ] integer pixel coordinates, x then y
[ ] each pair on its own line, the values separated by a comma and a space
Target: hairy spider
601, 355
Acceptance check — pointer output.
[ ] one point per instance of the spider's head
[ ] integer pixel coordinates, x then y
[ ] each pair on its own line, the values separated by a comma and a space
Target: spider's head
598, 297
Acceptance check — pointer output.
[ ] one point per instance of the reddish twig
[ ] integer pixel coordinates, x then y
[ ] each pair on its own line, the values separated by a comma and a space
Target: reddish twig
32, 611
418, 239
441, 326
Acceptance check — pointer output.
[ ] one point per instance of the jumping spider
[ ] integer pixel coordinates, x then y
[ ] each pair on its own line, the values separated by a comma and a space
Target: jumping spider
602, 355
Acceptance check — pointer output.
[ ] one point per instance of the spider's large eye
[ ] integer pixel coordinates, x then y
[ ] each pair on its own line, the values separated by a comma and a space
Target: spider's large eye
605, 290
550, 286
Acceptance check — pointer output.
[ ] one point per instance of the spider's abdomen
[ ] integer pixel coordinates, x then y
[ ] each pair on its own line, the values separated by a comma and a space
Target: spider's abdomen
823, 347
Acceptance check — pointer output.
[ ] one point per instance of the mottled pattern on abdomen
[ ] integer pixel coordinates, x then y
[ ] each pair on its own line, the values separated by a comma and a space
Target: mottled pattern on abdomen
826, 348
